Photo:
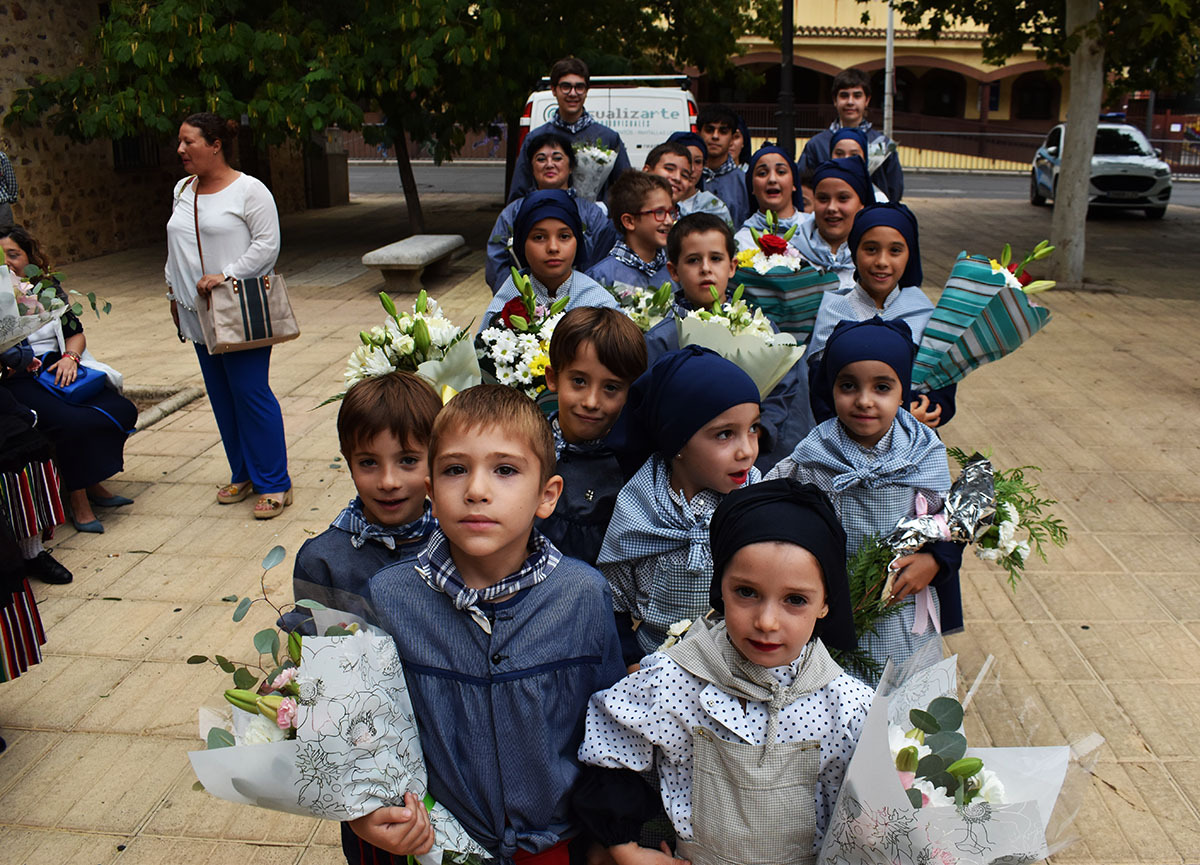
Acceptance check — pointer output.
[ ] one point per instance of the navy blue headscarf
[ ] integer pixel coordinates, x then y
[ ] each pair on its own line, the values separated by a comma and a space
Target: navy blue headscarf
873, 339
850, 169
673, 400
689, 139
850, 132
895, 216
545, 204
797, 198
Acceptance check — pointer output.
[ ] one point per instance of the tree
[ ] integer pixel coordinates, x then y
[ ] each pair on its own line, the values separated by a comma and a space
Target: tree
433, 67
1128, 43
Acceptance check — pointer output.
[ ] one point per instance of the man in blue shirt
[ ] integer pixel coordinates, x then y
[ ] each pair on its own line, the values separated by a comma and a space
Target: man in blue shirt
569, 80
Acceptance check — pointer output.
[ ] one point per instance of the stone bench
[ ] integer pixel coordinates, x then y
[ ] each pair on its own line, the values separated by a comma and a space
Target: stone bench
403, 262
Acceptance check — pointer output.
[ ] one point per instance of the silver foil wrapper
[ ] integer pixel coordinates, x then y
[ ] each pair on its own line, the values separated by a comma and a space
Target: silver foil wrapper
969, 508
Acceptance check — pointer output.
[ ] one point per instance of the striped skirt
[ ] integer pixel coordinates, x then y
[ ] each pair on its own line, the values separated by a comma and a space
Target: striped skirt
21, 634
29, 499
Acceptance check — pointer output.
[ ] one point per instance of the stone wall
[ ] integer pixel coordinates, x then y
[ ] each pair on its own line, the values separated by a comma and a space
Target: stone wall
73, 197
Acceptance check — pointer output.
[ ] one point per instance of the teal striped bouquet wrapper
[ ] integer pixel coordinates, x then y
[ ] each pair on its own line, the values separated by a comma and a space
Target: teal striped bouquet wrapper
789, 298
980, 317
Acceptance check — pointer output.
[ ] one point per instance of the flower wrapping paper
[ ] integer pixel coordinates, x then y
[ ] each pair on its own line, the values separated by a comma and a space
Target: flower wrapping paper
873, 821
356, 747
764, 362
791, 299
592, 167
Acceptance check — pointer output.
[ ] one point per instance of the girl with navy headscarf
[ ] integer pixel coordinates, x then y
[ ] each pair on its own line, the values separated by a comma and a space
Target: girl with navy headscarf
884, 243
773, 183
878, 463
852, 141
841, 188
688, 435
547, 234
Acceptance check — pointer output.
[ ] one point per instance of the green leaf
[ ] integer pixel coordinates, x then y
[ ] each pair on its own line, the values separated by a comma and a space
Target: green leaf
225, 664
948, 713
294, 642
914, 797
930, 765
310, 604
946, 781
198, 659
266, 641
218, 738
274, 557
948, 745
337, 631
923, 721
198, 787
244, 679
229, 598
77, 308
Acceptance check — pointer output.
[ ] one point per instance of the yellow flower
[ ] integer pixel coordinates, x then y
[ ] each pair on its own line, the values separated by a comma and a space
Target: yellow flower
538, 365
996, 266
746, 256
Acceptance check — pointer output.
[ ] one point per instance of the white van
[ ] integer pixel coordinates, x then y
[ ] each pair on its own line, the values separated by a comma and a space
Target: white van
643, 109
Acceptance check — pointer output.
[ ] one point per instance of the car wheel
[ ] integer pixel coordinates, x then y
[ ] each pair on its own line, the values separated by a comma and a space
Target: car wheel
1035, 193
1155, 212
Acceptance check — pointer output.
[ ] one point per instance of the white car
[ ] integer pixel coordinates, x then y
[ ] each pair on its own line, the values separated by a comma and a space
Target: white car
1127, 172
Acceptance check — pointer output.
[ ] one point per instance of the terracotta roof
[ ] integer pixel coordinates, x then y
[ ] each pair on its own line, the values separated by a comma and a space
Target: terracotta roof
881, 33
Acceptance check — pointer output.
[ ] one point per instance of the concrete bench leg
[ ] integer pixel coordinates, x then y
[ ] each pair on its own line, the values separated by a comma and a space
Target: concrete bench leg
402, 281
442, 266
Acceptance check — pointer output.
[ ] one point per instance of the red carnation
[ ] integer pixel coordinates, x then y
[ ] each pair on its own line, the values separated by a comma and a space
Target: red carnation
516, 306
772, 244
1024, 277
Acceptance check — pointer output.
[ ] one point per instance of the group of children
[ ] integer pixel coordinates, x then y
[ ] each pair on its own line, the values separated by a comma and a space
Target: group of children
531, 571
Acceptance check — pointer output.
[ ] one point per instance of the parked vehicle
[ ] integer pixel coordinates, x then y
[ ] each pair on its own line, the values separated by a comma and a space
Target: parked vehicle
1127, 172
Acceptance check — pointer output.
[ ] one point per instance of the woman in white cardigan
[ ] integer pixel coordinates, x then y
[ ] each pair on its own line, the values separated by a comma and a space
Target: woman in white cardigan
239, 230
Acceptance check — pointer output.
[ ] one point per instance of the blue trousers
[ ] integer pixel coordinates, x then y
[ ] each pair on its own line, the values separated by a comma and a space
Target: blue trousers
248, 416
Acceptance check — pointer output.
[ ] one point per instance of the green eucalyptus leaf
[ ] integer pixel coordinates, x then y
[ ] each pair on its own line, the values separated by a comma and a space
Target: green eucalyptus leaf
77, 308
923, 721
243, 607
310, 604
198, 787
930, 765
264, 639
948, 713
274, 557
218, 738
225, 664
948, 745
337, 631
198, 659
244, 679
914, 797
946, 781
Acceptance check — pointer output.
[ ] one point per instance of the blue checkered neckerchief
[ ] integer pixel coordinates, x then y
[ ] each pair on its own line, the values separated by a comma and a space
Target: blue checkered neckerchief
352, 521
437, 569
622, 253
584, 121
8, 181
727, 166
561, 444
863, 127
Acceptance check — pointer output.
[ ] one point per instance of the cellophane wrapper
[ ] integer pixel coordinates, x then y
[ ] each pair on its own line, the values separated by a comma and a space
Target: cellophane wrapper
592, 167
969, 508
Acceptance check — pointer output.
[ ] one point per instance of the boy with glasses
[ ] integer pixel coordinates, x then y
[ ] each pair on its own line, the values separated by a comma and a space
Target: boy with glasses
642, 211
569, 79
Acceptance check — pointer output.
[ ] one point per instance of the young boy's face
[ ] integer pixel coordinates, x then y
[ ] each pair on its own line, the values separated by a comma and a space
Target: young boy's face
866, 397
774, 184
718, 137
486, 487
704, 264
720, 455
677, 172
645, 229
807, 195
550, 251
774, 595
834, 207
881, 258
851, 104
390, 478
590, 395
698, 158
570, 92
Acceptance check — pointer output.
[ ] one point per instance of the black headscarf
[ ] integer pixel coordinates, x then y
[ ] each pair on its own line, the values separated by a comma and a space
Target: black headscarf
787, 510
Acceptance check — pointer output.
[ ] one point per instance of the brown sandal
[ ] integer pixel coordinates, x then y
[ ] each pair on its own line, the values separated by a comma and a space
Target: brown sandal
271, 505
233, 493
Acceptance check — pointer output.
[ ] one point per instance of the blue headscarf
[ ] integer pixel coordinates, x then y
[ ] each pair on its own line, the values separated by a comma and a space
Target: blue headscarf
669, 403
896, 216
545, 204
797, 197
873, 339
850, 169
689, 139
743, 155
850, 132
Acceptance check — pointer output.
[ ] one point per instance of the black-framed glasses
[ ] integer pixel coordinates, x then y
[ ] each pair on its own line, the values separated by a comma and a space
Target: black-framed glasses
572, 86
660, 214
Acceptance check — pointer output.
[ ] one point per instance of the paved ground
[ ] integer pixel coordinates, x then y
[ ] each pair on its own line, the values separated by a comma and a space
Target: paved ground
1104, 637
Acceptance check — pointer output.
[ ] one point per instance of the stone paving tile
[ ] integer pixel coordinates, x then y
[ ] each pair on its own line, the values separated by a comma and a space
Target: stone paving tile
1103, 597
56, 693
25, 748
1150, 551
991, 597
118, 629
211, 630
36, 846
1156, 709
149, 850
146, 701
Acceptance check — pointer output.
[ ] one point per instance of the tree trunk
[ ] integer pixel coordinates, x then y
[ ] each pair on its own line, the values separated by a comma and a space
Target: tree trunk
1069, 224
416, 220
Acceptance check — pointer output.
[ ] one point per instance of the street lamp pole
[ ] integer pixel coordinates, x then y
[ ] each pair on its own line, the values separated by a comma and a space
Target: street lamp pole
889, 73
787, 102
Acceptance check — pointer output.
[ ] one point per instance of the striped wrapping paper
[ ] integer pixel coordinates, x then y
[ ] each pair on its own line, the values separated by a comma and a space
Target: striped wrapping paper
979, 318
30, 499
789, 298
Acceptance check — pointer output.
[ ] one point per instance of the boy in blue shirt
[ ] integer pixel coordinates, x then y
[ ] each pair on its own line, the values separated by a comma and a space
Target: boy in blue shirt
695, 199
722, 176
569, 79
503, 639
643, 212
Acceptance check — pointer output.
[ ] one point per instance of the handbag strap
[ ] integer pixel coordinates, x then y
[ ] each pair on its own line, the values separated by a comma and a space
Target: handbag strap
196, 215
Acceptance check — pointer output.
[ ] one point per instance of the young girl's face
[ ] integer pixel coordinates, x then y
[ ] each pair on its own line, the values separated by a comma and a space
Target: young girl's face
14, 256
848, 147
550, 251
774, 185
704, 264
881, 258
720, 455
866, 397
834, 207
774, 594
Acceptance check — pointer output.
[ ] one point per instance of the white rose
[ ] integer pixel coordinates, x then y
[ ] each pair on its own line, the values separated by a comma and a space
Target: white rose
1007, 532
988, 554
404, 344
1022, 550
262, 731
936, 795
990, 787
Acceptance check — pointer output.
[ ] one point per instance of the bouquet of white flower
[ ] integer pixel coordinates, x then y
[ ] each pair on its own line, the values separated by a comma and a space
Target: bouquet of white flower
593, 163
644, 307
878, 151
515, 350
744, 337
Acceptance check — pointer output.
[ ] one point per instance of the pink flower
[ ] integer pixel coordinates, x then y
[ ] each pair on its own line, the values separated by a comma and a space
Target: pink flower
285, 676
907, 779
286, 716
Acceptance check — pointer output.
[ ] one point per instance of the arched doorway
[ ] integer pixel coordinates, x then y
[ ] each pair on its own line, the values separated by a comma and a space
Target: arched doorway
1035, 96
943, 93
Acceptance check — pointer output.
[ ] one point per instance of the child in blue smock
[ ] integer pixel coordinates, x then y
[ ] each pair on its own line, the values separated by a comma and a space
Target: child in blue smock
841, 188
774, 187
642, 210
722, 175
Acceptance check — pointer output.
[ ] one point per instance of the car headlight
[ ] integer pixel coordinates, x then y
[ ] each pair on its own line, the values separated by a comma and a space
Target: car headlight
1162, 172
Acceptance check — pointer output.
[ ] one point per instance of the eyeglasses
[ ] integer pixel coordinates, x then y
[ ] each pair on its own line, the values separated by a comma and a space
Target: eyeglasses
542, 158
660, 214
572, 86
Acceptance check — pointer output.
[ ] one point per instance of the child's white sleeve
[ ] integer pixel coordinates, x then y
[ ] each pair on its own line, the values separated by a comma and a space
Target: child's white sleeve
851, 700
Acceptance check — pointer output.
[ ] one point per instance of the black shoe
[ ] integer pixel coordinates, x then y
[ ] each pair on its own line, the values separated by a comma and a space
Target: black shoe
44, 567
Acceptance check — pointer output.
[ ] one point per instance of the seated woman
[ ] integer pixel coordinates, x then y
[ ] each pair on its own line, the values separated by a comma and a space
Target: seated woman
89, 437
774, 185
852, 141
551, 162
841, 188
